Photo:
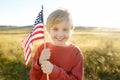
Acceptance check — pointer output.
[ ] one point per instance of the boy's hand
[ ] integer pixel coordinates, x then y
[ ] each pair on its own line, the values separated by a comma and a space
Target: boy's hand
47, 67
45, 55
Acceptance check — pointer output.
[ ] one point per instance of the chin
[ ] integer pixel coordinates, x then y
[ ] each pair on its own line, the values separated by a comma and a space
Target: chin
60, 43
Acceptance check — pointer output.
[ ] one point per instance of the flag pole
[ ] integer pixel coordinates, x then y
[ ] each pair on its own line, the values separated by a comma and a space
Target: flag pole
47, 75
44, 32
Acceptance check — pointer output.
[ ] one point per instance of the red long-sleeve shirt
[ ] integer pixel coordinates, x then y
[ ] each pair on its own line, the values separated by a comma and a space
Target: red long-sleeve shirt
67, 61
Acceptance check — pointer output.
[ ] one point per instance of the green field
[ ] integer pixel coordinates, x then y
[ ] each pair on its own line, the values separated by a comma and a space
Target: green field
100, 47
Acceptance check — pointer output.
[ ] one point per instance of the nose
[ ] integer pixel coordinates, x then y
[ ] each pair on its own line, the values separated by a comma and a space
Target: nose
60, 33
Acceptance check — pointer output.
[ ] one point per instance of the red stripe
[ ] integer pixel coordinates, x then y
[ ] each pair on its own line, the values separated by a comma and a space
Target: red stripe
33, 34
28, 54
24, 41
38, 26
27, 48
29, 40
38, 32
28, 59
37, 38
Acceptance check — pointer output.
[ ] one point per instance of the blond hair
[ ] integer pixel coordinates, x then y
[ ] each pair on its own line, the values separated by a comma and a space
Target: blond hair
57, 17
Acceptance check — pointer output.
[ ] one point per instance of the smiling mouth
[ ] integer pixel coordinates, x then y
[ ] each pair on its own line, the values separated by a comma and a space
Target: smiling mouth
60, 39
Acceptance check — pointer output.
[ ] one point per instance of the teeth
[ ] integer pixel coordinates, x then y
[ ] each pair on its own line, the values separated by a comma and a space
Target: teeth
59, 39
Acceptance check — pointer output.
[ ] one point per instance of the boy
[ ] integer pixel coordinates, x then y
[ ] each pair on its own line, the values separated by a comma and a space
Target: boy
62, 61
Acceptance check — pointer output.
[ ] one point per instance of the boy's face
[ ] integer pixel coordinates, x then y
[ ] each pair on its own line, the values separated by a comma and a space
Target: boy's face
60, 33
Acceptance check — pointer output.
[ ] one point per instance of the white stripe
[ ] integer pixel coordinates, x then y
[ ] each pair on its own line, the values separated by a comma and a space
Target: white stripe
25, 40
37, 35
28, 59
31, 38
29, 48
40, 24
39, 29
28, 43
27, 53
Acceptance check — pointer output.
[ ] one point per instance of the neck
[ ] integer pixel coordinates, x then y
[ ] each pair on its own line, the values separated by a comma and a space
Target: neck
65, 44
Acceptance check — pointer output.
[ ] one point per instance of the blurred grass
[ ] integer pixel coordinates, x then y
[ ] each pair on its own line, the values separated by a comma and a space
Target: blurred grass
100, 49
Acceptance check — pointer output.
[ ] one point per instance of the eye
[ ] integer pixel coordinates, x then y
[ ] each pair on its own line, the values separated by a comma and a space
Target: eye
55, 29
65, 29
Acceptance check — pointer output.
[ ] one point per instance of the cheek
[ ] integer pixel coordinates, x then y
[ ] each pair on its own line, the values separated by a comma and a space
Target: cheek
52, 34
68, 34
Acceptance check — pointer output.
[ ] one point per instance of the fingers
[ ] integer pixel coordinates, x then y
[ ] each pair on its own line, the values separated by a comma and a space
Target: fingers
46, 52
45, 55
46, 67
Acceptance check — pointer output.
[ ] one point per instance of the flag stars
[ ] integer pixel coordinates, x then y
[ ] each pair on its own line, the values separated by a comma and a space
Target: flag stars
39, 18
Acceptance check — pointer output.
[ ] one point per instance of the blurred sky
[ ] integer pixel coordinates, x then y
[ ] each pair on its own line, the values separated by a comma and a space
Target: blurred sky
96, 13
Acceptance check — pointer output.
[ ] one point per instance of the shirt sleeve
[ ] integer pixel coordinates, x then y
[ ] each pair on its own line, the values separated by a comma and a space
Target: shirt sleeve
76, 73
35, 71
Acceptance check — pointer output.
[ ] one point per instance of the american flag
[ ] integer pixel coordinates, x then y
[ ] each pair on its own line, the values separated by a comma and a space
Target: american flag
36, 33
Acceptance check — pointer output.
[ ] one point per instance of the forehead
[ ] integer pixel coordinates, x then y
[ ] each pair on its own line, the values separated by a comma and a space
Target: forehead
62, 24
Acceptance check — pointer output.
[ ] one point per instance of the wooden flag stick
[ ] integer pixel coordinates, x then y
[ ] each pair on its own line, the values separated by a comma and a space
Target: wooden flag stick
47, 75
45, 48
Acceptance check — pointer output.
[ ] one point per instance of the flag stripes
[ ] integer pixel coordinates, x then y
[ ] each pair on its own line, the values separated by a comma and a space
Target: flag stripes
36, 34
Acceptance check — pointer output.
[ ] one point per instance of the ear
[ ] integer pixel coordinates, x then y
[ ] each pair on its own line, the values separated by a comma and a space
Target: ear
72, 27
